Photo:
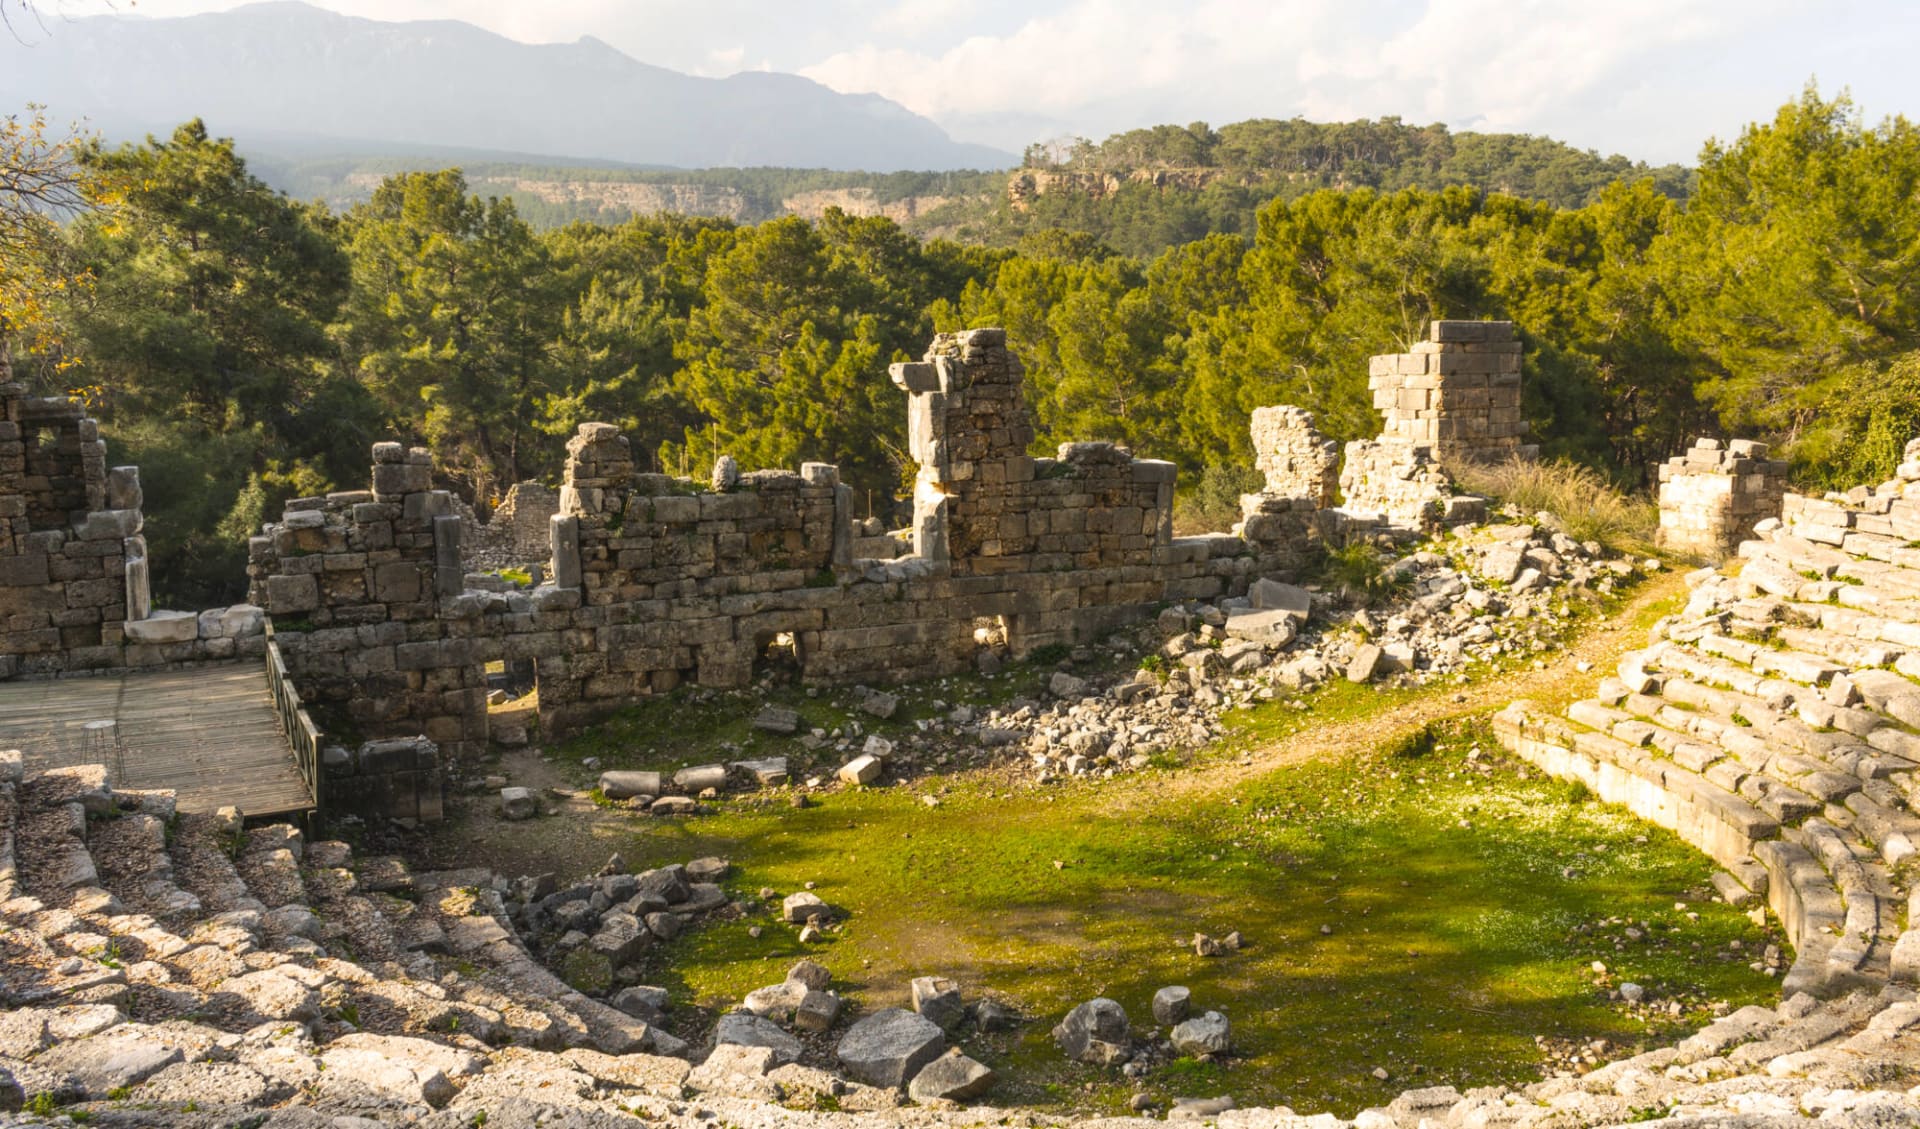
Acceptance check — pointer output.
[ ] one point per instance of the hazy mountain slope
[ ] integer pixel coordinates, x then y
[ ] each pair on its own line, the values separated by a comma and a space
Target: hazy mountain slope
286, 72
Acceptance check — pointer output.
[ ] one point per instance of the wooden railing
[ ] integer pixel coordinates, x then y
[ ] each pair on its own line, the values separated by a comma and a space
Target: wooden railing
302, 734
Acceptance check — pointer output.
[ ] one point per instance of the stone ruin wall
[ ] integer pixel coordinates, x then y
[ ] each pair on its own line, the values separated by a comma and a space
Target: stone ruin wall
1711, 496
73, 561
517, 533
654, 584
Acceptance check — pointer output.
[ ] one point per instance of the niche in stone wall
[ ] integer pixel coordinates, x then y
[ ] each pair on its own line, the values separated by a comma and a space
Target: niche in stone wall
776, 657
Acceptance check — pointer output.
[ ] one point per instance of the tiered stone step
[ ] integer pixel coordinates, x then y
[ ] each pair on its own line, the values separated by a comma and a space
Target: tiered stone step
1764, 726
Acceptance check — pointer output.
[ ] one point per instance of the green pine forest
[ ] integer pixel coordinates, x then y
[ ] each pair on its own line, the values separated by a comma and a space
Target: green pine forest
244, 347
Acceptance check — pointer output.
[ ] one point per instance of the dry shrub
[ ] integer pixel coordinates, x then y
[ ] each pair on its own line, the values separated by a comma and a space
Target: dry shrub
1587, 506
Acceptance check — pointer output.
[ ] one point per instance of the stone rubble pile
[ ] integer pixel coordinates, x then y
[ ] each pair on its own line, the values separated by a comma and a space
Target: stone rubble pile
1477, 595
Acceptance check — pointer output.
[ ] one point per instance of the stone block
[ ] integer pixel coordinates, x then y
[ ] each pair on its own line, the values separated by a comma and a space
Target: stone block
164, 627
291, 595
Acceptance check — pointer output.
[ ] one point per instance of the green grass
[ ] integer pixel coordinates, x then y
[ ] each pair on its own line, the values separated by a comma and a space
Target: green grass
1588, 507
1452, 945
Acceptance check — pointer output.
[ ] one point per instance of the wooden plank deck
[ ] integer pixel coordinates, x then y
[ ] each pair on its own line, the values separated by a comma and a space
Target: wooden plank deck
209, 733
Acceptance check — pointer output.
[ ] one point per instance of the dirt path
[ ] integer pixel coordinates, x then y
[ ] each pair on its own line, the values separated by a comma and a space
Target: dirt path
1602, 646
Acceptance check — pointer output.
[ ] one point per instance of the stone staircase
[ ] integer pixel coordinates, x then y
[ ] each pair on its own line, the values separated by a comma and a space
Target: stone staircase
165, 960
1771, 724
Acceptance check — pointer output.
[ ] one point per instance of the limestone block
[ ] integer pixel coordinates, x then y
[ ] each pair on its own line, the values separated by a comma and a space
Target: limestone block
164, 627
291, 595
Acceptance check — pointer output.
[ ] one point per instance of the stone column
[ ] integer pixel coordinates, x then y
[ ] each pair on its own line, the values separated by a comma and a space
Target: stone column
1711, 496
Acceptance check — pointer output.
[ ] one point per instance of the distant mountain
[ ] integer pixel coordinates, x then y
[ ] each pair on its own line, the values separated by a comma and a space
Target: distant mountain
287, 76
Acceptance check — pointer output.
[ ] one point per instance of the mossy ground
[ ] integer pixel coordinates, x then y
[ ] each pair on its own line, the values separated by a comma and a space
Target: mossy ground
1466, 896
1462, 901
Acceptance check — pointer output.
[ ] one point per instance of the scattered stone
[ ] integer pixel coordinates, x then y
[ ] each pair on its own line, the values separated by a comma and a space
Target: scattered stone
518, 803
879, 704
953, 1077
1203, 1036
1096, 1032
777, 719
1171, 1006
817, 1010
861, 770
803, 907
938, 999
1064, 685
748, 1030
992, 1015
1365, 663
810, 973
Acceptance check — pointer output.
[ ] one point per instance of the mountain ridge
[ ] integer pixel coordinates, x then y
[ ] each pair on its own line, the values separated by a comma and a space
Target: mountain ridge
286, 67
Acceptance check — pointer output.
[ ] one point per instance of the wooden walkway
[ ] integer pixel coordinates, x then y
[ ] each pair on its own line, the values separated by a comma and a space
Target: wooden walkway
209, 733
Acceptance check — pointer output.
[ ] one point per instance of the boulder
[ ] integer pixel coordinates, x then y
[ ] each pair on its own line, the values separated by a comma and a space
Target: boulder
674, 805
863, 769
938, 999
768, 772
1171, 1006
744, 1029
953, 1077
1096, 1032
1205, 1035
1064, 685
625, 785
668, 883
889, 1047
710, 869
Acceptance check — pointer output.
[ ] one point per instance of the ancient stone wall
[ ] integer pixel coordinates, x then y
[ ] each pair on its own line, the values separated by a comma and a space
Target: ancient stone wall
73, 560
517, 532
1711, 496
1297, 460
655, 583
1458, 392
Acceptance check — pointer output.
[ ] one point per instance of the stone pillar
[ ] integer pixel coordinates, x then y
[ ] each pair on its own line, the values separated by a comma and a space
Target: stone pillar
449, 573
139, 589
1457, 392
565, 539
1711, 496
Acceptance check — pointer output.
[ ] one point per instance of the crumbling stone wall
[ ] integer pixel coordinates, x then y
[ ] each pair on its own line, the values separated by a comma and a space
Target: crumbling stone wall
518, 531
1404, 486
1297, 460
74, 589
655, 583
1711, 496
1457, 392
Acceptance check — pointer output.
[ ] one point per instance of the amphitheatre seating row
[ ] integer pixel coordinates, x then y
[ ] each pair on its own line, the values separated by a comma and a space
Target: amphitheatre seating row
1772, 724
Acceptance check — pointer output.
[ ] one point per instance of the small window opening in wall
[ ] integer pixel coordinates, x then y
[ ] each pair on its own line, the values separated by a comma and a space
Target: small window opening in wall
776, 659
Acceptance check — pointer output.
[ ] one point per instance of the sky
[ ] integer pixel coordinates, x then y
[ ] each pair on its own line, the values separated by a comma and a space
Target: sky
1652, 79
